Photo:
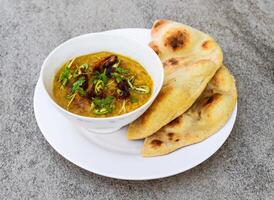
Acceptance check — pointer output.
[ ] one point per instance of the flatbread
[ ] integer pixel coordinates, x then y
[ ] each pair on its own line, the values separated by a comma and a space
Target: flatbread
172, 39
205, 117
190, 59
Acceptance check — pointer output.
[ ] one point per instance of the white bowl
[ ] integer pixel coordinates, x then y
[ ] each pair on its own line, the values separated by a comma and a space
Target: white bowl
96, 42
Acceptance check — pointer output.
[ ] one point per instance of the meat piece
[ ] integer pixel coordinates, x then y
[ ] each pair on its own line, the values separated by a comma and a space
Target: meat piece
106, 63
90, 93
109, 70
111, 60
85, 84
124, 87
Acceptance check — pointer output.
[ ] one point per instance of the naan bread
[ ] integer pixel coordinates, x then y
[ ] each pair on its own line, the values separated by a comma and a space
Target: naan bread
190, 59
172, 39
205, 117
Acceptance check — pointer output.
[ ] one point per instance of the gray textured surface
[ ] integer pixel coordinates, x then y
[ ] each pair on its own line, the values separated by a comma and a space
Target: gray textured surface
242, 169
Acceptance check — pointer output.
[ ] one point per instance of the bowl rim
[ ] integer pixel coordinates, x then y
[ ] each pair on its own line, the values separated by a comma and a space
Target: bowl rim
150, 101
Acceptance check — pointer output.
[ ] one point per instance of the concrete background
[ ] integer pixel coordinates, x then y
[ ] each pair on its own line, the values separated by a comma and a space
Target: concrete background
242, 169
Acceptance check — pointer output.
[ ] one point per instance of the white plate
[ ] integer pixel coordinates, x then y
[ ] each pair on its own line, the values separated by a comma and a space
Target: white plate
112, 155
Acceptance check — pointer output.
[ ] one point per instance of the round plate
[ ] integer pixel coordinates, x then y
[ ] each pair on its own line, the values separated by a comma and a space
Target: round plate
112, 155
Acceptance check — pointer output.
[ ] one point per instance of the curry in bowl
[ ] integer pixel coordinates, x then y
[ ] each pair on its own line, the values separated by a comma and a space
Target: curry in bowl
102, 84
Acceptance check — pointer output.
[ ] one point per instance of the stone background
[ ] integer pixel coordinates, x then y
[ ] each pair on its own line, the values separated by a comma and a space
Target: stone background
242, 169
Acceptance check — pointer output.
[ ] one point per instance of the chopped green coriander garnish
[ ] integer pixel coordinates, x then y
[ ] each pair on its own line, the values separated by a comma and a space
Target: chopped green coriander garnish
134, 100
121, 70
77, 86
103, 106
65, 76
117, 77
100, 76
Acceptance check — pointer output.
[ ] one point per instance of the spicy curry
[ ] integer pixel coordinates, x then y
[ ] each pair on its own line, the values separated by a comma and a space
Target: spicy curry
102, 84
